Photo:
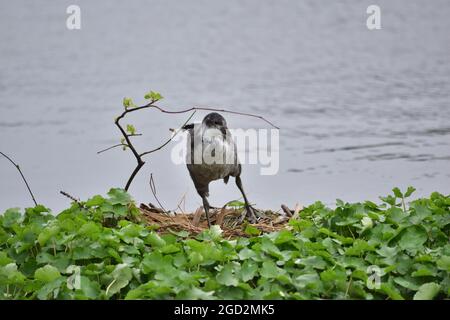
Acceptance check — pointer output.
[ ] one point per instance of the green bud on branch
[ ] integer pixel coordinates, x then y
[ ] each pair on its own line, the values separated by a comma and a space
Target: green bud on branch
154, 96
131, 129
128, 103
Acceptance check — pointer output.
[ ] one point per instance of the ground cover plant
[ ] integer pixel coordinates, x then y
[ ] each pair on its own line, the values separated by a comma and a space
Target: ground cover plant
102, 248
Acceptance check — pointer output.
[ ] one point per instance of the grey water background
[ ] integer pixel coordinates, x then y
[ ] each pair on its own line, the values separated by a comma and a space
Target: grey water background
360, 111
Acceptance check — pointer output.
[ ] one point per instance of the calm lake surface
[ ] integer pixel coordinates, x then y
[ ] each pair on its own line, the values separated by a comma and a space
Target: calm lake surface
360, 111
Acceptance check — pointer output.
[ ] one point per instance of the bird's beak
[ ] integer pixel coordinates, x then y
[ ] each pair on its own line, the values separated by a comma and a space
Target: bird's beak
224, 131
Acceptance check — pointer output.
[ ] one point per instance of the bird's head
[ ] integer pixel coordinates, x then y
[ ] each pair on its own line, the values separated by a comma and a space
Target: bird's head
215, 121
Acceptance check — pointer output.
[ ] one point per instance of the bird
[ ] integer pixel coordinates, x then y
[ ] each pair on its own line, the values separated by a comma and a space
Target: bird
212, 155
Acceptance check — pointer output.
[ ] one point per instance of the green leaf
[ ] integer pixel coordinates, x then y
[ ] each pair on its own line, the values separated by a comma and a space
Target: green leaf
119, 196
11, 217
359, 247
444, 263
47, 274
90, 229
409, 192
397, 192
121, 275
95, 201
413, 238
4, 259
388, 252
283, 236
248, 270
155, 96
10, 275
128, 103
306, 280
155, 261
427, 291
269, 270
396, 215
155, 240
409, 283
312, 261
181, 233
194, 293
131, 129
52, 288
226, 276
246, 253
47, 234
391, 291
424, 272
90, 289
419, 213
252, 230
195, 258
389, 200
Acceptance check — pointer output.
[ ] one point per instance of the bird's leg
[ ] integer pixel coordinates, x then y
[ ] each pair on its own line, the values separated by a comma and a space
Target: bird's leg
251, 213
206, 207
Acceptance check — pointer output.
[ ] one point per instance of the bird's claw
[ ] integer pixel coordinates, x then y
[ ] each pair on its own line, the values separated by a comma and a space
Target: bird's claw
252, 215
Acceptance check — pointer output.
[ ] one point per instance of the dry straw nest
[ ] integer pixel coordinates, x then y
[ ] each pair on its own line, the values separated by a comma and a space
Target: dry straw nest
229, 219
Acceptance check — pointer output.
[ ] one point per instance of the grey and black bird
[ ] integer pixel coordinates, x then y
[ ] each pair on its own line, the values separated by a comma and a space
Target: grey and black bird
212, 155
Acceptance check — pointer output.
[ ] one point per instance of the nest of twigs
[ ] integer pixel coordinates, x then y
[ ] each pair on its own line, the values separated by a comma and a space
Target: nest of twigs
229, 219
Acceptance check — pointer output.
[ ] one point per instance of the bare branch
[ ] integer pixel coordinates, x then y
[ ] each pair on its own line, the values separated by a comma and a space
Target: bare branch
21, 174
139, 160
134, 173
112, 147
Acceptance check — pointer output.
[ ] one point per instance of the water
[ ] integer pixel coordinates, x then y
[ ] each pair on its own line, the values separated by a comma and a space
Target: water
360, 111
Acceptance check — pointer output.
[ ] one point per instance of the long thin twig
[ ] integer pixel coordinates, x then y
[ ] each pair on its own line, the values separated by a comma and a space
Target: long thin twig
183, 198
151, 105
112, 147
21, 174
153, 189
217, 110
